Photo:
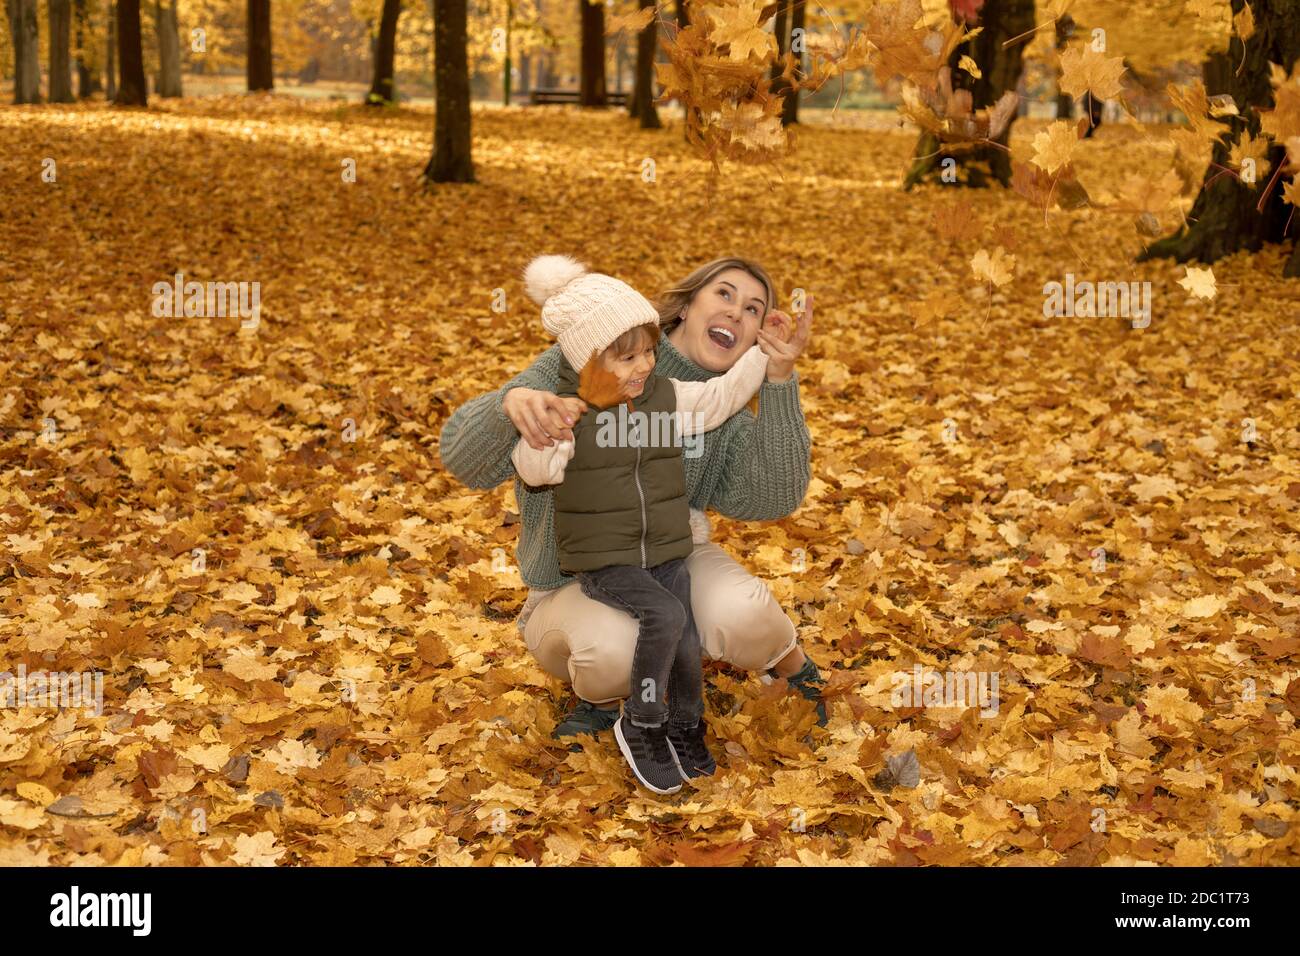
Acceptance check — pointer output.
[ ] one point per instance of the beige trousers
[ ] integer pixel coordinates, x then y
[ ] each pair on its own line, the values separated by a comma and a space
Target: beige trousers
590, 645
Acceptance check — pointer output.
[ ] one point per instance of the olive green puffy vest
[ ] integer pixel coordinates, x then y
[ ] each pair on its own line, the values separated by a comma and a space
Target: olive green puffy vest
626, 504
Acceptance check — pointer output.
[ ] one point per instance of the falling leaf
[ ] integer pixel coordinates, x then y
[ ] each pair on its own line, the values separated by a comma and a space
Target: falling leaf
996, 267
1054, 146
1199, 282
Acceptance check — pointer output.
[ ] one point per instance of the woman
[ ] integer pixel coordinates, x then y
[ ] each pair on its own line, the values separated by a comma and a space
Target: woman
750, 469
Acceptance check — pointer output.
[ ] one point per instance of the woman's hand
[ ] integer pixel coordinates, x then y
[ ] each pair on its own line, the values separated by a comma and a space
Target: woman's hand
542, 417
781, 354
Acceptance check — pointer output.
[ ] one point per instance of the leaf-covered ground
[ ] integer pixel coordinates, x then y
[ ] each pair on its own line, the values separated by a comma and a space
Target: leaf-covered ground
305, 637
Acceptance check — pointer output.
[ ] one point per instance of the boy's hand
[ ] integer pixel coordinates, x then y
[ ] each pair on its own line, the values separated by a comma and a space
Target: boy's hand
541, 417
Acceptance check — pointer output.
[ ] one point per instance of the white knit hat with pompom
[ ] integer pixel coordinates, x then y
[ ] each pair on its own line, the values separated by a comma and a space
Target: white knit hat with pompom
585, 311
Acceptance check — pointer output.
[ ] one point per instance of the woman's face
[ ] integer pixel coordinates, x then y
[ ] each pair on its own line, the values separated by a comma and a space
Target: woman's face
722, 320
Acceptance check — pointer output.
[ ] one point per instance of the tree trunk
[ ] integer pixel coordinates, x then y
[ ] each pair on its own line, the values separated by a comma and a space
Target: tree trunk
1000, 68
169, 50
1092, 109
525, 73
131, 91
643, 92
1064, 31
506, 65
87, 79
591, 85
381, 87
1225, 217
24, 33
781, 30
260, 74
451, 161
683, 15
60, 51
110, 88
790, 108
1064, 106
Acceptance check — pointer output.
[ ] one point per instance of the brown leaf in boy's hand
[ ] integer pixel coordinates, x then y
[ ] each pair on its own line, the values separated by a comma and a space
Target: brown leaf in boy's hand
598, 386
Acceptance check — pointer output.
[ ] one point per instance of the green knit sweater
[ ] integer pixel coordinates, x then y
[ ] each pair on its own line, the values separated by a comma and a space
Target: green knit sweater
752, 469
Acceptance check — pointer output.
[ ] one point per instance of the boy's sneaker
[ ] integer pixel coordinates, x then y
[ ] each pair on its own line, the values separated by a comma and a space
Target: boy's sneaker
689, 752
586, 718
648, 753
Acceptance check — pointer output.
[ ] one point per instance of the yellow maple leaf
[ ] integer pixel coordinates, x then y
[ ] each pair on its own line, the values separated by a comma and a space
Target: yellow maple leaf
970, 66
1248, 147
752, 128
1054, 146
257, 850
633, 22
1083, 69
385, 595
1199, 282
996, 268
738, 27
1207, 605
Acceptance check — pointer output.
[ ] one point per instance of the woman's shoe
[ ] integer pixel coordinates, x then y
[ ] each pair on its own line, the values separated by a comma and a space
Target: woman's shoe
586, 718
808, 681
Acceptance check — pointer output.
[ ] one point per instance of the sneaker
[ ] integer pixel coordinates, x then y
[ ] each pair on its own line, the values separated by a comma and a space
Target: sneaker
689, 752
807, 681
648, 753
586, 718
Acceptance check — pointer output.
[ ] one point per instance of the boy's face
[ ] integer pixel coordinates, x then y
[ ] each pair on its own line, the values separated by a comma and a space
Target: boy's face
633, 367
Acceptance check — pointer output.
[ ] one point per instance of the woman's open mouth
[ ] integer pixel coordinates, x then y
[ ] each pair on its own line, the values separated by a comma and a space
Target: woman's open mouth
722, 337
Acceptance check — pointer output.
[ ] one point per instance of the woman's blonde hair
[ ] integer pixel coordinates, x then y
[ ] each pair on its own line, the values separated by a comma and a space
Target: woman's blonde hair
672, 300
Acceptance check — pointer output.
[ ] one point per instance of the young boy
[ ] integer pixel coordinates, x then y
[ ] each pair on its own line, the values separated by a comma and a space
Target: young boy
622, 519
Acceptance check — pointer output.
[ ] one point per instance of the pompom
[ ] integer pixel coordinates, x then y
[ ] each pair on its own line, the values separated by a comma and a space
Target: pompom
547, 275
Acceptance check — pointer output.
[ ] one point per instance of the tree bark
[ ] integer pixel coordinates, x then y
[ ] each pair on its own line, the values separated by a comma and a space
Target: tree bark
24, 34
87, 79
781, 30
591, 84
790, 108
260, 71
381, 87
1064, 31
131, 91
1000, 69
110, 88
525, 73
643, 92
451, 161
169, 50
1225, 217
61, 51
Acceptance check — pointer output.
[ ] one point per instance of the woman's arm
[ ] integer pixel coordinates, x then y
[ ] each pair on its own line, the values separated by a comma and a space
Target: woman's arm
766, 461
476, 441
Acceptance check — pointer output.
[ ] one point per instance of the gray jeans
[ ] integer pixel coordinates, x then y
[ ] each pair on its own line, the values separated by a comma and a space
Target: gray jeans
667, 666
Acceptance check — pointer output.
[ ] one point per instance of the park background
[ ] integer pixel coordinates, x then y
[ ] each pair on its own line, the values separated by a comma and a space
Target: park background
306, 625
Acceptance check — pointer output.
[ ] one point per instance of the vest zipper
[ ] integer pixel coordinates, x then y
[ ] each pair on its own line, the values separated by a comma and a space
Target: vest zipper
637, 476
